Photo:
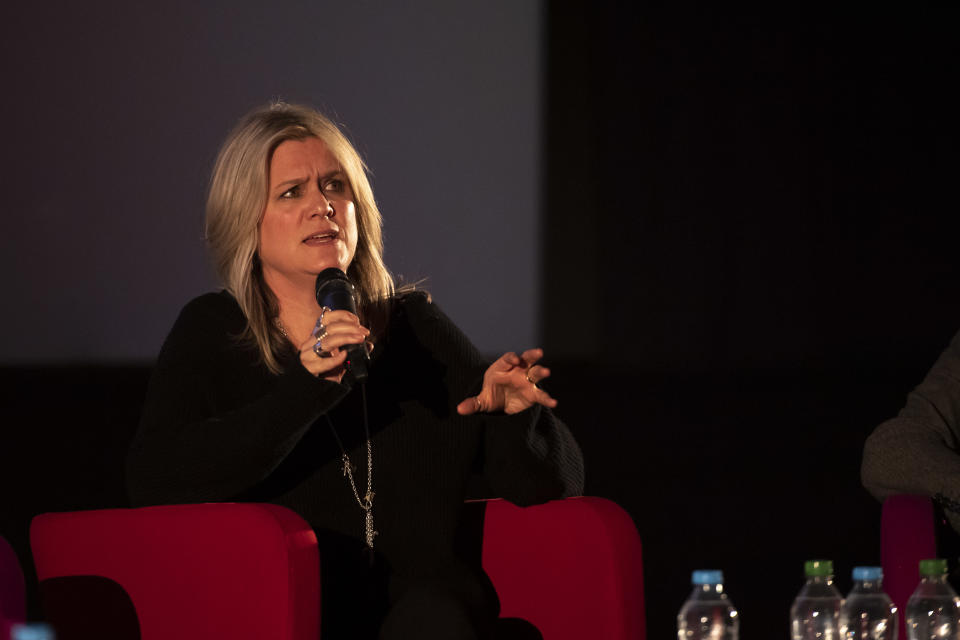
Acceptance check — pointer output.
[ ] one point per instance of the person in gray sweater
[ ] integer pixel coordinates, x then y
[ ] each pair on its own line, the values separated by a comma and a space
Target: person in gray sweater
917, 451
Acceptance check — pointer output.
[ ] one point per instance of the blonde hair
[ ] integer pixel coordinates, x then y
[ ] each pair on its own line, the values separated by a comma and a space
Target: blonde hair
235, 206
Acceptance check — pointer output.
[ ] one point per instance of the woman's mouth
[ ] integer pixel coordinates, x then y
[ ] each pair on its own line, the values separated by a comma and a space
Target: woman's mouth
324, 237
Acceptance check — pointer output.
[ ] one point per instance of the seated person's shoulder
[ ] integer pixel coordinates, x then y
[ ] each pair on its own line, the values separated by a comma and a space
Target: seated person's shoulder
417, 308
212, 303
955, 343
209, 323
413, 297
432, 327
215, 309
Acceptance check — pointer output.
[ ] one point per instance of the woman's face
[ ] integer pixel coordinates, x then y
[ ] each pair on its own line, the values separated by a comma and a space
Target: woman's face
309, 223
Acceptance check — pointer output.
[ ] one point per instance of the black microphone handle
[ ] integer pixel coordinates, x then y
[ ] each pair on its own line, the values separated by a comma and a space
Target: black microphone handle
357, 360
335, 292
337, 295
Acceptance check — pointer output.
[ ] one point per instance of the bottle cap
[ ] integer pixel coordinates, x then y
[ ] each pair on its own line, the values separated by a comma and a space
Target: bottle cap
869, 574
933, 567
33, 631
816, 568
707, 576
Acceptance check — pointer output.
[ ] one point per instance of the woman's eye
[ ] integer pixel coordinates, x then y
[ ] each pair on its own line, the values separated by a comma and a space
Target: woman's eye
292, 192
335, 185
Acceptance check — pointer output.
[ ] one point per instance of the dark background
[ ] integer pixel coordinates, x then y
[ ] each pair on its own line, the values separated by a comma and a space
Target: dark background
751, 231
748, 229
116, 108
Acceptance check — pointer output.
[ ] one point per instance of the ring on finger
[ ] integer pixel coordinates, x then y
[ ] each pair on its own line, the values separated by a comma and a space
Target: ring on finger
318, 346
319, 328
526, 375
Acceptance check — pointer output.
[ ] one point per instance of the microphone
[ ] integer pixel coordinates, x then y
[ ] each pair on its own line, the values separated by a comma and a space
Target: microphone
335, 292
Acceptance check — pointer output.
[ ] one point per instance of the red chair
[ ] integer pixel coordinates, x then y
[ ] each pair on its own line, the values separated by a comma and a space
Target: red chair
571, 567
12, 590
907, 536
239, 571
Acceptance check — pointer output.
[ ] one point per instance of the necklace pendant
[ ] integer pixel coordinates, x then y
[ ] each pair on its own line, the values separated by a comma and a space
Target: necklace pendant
346, 465
369, 531
368, 500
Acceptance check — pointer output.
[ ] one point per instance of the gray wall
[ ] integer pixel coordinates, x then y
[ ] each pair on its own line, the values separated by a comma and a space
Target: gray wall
115, 111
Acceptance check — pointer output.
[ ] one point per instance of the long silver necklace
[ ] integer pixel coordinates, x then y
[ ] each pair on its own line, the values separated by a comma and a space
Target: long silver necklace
367, 502
348, 468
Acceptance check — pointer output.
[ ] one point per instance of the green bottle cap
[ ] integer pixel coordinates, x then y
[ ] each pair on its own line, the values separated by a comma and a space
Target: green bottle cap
933, 567
818, 568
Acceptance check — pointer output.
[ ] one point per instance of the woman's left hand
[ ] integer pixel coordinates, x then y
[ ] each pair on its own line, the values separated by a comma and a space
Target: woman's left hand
510, 385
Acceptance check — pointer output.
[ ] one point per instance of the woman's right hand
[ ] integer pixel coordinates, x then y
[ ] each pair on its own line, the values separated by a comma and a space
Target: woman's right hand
342, 328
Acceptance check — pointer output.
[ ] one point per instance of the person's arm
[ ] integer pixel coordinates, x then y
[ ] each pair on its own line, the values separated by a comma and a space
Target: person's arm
214, 425
530, 457
916, 452
526, 457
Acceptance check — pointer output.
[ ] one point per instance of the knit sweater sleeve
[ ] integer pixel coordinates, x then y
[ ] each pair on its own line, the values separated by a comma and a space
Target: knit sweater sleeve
916, 452
528, 457
215, 423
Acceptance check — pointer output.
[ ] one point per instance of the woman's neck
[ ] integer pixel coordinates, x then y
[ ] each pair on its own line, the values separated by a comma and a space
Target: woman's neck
297, 303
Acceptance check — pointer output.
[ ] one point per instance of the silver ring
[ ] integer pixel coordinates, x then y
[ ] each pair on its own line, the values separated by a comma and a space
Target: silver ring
320, 328
318, 346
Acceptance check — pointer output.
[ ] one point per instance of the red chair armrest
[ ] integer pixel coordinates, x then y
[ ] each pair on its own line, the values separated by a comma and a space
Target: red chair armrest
571, 567
239, 571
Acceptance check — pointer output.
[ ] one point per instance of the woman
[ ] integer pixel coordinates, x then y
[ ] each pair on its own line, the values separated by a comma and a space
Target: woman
249, 399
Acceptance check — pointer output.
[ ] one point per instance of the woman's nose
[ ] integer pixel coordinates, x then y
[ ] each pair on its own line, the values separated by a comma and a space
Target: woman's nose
324, 205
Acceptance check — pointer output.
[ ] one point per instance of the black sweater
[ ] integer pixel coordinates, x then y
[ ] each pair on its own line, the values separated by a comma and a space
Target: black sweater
218, 426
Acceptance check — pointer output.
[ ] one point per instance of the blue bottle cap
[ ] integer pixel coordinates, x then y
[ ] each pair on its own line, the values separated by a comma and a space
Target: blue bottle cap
707, 576
870, 574
31, 632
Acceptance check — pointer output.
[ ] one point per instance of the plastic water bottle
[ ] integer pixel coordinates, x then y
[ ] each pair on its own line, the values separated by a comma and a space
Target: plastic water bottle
32, 631
933, 611
708, 613
816, 611
868, 613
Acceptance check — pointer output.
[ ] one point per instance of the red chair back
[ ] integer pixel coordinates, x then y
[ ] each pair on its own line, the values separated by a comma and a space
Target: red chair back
571, 567
907, 536
194, 560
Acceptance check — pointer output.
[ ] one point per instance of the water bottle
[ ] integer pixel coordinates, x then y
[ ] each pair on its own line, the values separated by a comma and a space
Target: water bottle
708, 613
31, 631
816, 610
933, 611
868, 613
